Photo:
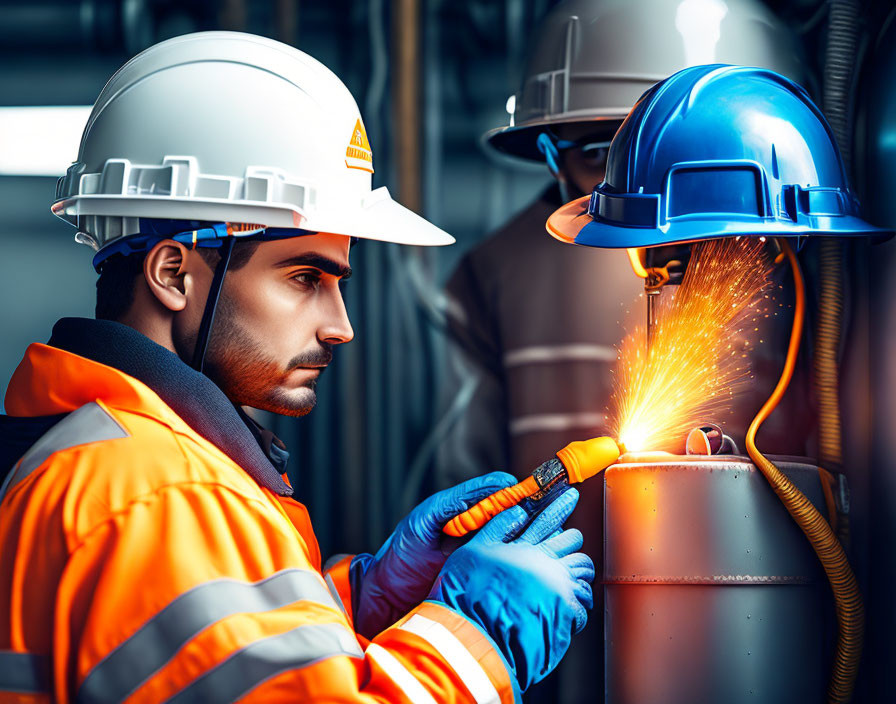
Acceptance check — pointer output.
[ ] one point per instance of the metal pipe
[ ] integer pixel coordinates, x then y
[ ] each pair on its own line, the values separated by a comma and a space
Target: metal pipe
406, 102
286, 20
71, 26
840, 54
232, 15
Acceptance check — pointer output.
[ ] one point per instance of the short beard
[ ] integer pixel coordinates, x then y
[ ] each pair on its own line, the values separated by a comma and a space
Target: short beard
248, 375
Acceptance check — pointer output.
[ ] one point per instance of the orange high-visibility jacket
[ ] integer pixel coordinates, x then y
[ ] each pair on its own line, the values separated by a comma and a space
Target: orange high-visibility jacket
139, 563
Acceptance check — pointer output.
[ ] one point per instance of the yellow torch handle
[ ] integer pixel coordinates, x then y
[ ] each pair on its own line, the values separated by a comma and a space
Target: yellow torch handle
582, 460
477, 516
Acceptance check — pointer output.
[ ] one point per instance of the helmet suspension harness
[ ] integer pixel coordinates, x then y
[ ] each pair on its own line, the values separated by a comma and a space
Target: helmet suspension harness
211, 305
220, 235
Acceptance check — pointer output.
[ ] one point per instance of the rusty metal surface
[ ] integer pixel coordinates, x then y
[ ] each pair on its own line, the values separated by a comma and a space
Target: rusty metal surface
712, 593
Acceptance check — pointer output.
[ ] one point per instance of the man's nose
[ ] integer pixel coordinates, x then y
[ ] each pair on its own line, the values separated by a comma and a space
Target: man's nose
336, 328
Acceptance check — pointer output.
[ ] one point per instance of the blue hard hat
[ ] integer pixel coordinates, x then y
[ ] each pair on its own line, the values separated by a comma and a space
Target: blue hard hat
717, 151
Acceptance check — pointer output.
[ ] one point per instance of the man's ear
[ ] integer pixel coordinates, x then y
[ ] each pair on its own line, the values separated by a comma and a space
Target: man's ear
165, 271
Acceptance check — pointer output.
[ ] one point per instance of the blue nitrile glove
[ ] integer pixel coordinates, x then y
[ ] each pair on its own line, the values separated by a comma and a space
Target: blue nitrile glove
530, 594
388, 585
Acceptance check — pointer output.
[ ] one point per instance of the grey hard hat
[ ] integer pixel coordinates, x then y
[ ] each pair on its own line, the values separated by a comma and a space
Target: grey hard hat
592, 59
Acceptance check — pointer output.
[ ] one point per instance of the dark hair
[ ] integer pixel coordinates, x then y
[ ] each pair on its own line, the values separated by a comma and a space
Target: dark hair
118, 276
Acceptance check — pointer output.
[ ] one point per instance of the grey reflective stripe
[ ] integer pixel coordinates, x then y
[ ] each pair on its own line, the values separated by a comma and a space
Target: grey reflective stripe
576, 352
334, 592
263, 659
24, 672
556, 422
339, 557
90, 423
156, 642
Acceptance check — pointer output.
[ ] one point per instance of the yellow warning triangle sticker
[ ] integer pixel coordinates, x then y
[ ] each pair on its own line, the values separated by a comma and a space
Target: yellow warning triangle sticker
358, 154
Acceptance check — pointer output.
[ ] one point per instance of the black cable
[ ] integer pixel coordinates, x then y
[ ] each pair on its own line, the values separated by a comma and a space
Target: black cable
211, 304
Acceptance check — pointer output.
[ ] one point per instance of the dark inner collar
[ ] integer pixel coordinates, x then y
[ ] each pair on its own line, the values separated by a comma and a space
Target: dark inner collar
193, 396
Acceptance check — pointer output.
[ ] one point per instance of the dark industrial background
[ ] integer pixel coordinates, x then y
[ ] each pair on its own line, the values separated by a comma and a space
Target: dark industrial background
430, 76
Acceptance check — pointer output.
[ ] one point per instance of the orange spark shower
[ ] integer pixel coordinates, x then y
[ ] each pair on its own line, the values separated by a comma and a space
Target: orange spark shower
697, 358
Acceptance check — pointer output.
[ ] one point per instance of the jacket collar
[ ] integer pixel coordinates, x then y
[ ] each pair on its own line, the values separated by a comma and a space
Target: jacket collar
194, 397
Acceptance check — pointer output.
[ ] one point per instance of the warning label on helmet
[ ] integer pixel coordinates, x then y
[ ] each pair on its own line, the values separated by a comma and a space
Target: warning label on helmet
357, 153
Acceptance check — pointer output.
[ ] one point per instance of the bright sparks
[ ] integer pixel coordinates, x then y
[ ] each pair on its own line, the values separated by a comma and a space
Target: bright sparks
697, 361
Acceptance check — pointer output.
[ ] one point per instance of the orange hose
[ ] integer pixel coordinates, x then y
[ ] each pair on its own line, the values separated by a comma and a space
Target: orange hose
848, 600
477, 516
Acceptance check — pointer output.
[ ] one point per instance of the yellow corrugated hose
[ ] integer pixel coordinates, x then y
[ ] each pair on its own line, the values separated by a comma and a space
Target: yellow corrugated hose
848, 600
827, 345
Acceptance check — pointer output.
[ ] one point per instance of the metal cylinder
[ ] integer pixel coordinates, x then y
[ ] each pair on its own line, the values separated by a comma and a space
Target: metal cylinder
712, 593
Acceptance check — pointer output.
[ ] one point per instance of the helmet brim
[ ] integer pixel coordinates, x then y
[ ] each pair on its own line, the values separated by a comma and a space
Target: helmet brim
567, 221
519, 141
571, 223
383, 219
379, 217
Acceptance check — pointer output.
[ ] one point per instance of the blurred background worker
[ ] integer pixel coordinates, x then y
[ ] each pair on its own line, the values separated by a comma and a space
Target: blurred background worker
534, 326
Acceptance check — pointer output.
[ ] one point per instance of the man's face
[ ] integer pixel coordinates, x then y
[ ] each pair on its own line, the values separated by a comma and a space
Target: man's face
584, 168
277, 320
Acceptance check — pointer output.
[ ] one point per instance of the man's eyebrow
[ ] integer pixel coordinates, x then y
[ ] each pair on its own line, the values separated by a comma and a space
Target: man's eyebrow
318, 261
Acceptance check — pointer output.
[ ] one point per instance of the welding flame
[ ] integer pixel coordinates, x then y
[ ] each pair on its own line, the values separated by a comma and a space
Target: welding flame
697, 362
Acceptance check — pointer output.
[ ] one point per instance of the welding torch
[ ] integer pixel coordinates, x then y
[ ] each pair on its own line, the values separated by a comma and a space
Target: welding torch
658, 266
573, 464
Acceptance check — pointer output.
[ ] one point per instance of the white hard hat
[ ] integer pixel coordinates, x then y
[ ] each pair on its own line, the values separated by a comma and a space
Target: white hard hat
229, 127
591, 60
